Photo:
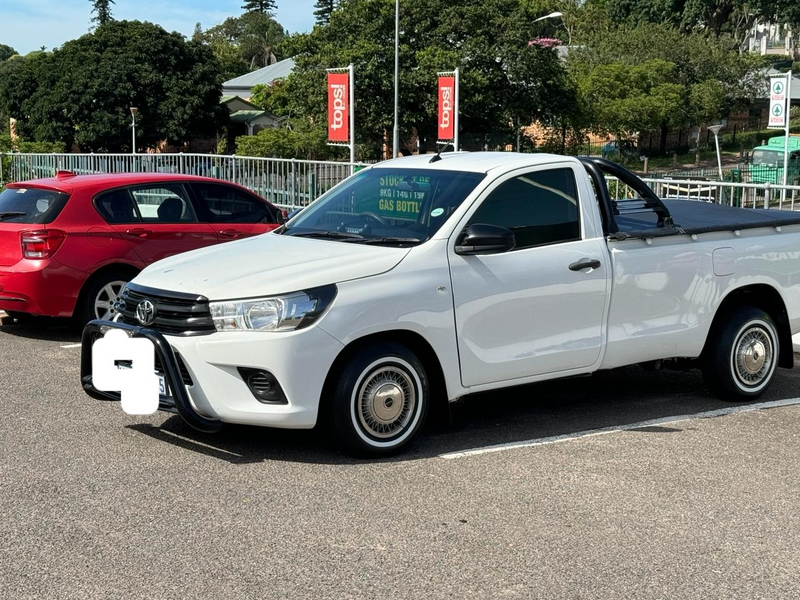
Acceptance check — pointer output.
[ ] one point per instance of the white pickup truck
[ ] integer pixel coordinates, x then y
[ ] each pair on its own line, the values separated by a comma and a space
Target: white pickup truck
424, 279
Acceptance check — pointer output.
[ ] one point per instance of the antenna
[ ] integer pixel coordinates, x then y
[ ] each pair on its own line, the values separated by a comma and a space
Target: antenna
438, 156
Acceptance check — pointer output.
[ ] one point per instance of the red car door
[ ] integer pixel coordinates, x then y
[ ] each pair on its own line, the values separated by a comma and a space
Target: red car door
158, 220
233, 212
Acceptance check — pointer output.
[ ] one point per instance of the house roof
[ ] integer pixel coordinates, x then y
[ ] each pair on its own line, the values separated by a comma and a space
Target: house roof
265, 75
247, 116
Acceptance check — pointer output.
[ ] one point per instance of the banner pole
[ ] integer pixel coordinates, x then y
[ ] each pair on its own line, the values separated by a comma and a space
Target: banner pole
455, 120
352, 120
786, 140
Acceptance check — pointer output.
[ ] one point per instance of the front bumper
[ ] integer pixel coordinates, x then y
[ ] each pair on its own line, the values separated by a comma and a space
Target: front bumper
179, 401
299, 360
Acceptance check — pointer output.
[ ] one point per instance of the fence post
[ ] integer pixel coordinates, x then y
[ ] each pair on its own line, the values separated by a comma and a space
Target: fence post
294, 186
767, 195
182, 167
2, 181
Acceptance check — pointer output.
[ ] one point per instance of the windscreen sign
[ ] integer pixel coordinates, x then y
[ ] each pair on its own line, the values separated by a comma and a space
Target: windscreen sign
338, 124
777, 102
447, 95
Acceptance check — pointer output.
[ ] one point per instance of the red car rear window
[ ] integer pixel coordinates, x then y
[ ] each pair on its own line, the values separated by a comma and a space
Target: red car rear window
31, 205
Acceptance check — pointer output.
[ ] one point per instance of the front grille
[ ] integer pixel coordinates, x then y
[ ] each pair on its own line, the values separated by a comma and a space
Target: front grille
175, 313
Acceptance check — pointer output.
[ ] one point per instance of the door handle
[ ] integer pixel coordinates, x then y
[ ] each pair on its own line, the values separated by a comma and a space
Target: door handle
585, 263
231, 233
138, 232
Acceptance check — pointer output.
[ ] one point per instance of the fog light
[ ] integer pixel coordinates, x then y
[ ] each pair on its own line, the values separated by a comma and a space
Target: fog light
263, 385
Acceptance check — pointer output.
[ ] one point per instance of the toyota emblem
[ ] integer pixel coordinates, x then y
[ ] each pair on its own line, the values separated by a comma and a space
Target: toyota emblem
146, 312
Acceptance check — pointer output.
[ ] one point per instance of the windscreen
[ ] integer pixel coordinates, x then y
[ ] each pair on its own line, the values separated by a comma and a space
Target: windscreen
767, 157
30, 205
376, 204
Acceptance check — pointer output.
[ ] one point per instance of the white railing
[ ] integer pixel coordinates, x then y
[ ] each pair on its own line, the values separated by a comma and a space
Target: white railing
289, 183
745, 195
293, 183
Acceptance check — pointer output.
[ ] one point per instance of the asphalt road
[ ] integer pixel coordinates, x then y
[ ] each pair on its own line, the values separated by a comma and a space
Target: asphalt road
98, 504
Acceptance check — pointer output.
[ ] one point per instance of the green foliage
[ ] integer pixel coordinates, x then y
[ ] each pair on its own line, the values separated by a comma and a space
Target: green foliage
102, 11
262, 6
750, 139
81, 94
699, 80
243, 43
734, 17
297, 140
503, 80
6, 52
627, 98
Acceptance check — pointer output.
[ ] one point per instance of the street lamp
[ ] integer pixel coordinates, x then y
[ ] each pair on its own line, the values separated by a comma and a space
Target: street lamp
715, 130
134, 110
396, 132
552, 15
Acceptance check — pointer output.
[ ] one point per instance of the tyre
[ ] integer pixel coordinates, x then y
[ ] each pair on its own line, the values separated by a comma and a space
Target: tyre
379, 401
742, 355
98, 301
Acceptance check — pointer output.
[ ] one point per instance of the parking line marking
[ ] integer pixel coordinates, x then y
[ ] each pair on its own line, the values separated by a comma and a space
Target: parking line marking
606, 430
72, 346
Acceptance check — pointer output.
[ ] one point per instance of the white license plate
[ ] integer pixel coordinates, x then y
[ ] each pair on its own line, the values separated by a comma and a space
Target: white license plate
163, 390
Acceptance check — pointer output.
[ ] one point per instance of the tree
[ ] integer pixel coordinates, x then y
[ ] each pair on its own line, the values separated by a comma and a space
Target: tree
81, 93
262, 6
243, 43
324, 9
504, 82
6, 52
102, 10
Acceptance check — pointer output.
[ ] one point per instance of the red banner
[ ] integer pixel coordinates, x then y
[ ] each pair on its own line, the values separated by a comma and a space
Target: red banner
338, 109
447, 97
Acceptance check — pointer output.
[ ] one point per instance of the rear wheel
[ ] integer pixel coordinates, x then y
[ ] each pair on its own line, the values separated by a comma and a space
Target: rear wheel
101, 295
380, 400
742, 356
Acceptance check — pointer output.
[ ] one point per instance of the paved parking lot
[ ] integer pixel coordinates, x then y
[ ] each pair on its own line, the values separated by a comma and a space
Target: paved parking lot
96, 503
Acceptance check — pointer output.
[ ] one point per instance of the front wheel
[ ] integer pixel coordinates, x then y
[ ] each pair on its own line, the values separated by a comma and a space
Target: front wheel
380, 400
741, 360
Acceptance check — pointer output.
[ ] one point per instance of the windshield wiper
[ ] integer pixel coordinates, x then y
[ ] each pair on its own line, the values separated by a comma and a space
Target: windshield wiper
390, 240
336, 235
11, 213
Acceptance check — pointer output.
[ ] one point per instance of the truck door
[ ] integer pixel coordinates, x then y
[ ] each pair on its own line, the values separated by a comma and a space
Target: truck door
539, 308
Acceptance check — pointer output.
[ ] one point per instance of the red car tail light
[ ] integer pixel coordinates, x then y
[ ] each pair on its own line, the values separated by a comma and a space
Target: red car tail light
41, 243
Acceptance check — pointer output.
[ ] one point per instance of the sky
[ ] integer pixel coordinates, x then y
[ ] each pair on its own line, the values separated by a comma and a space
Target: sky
26, 25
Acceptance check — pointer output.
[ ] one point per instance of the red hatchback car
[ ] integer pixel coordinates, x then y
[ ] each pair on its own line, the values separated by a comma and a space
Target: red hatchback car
69, 244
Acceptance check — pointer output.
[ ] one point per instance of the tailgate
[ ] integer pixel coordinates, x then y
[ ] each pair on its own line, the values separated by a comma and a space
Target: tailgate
10, 246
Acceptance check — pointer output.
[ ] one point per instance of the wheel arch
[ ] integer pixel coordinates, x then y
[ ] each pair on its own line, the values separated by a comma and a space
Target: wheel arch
130, 270
411, 340
767, 298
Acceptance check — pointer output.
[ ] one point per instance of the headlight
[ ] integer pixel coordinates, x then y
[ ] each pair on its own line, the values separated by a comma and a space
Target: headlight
279, 313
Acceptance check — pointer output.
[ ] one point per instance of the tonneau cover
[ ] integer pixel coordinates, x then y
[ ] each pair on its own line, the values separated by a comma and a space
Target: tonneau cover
692, 217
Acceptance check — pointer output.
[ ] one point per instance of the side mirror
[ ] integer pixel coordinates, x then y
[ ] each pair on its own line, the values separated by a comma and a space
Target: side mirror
480, 238
281, 216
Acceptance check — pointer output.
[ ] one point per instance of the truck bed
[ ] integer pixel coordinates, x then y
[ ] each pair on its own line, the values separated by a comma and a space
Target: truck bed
692, 217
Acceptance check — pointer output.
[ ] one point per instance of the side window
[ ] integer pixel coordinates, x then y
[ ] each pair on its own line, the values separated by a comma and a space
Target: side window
163, 203
540, 208
116, 207
230, 205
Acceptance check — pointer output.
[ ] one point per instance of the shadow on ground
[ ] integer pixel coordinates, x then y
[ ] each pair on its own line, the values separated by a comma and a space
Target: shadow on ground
609, 399
42, 328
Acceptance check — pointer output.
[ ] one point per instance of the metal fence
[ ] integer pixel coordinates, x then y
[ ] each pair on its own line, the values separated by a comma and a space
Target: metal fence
288, 183
297, 183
